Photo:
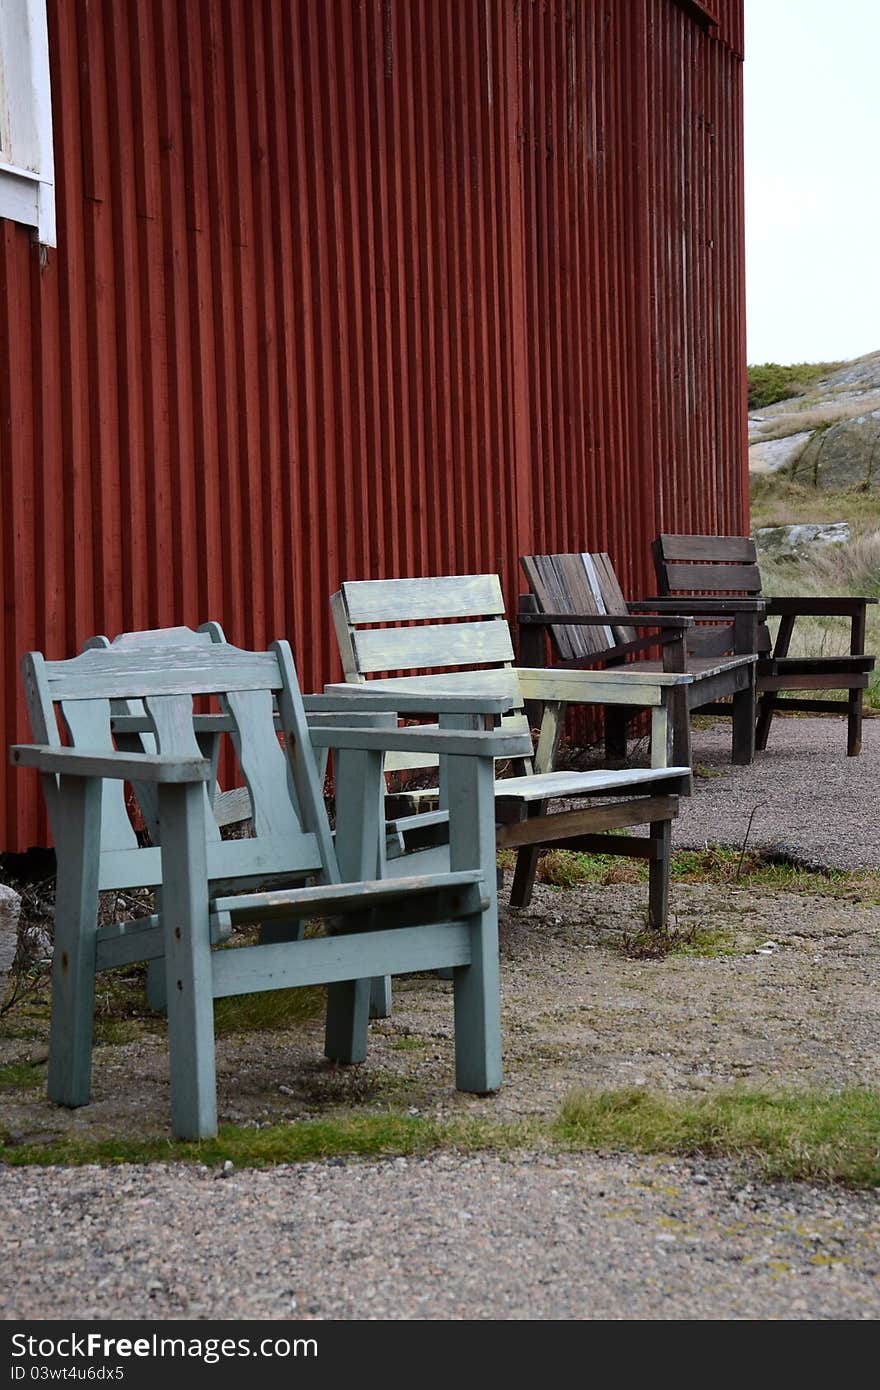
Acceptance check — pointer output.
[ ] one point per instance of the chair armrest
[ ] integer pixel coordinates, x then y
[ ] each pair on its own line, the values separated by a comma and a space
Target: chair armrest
603, 620
701, 607
341, 696
844, 606
452, 742
625, 685
128, 767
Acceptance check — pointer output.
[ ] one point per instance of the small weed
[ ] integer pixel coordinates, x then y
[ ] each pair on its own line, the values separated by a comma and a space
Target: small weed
654, 943
406, 1044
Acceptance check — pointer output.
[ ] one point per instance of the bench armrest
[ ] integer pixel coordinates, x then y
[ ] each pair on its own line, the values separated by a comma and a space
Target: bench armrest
454, 742
603, 620
625, 685
341, 696
128, 767
843, 606
701, 607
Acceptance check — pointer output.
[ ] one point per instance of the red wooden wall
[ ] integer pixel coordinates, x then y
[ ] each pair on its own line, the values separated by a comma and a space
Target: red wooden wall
361, 288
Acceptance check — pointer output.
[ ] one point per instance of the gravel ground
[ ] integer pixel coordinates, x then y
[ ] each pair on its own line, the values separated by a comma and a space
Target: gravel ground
811, 798
445, 1237
792, 1000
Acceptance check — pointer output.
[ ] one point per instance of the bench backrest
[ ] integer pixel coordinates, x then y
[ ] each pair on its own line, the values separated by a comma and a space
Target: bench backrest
579, 583
162, 679
441, 634
694, 565
720, 566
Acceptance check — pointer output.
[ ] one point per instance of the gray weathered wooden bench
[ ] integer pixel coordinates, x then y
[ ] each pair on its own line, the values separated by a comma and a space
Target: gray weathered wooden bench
577, 599
289, 869
455, 636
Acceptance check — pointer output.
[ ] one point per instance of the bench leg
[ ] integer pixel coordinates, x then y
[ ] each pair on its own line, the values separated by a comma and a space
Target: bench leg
766, 707
157, 985
526, 863
743, 750
681, 729
658, 873
185, 919
854, 723
348, 1017
76, 922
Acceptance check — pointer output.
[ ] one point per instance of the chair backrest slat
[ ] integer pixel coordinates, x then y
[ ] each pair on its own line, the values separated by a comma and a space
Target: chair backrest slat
421, 600
88, 724
433, 645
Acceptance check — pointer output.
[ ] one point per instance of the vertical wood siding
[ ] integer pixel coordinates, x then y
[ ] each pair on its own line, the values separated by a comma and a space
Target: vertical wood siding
360, 289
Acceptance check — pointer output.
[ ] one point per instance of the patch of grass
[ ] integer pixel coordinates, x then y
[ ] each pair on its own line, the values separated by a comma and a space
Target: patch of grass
810, 1136
713, 864
813, 1137
269, 1010
653, 943
385, 1135
407, 1044
772, 381
22, 1076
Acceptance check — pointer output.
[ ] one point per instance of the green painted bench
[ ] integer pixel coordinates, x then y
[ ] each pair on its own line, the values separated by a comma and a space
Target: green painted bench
290, 868
451, 631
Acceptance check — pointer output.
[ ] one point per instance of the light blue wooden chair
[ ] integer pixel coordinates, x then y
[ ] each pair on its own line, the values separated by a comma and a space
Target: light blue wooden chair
289, 869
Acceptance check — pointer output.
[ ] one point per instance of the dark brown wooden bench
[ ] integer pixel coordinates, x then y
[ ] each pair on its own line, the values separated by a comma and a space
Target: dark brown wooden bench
578, 600
728, 566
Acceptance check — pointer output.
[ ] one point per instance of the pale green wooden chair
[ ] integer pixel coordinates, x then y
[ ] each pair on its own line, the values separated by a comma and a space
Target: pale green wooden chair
421, 637
290, 868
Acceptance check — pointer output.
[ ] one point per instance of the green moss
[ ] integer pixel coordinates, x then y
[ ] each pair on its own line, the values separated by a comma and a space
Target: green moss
22, 1076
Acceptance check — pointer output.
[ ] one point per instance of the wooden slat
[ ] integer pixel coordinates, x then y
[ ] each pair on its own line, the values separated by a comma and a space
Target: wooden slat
432, 646
123, 675
452, 596
798, 681
350, 897
88, 723
545, 785
253, 859
556, 828
711, 640
172, 719
322, 960
128, 767
612, 594
693, 549
745, 578
498, 743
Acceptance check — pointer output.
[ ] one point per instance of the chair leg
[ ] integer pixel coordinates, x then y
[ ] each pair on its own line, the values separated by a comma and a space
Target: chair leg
766, 708
658, 874
854, 723
157, 985
185, 919
743, 750
477, 999
348, 1018
380, 994
73, 963
524, 875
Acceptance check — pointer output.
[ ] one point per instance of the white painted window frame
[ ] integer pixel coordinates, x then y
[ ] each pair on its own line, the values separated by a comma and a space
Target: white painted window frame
27, 165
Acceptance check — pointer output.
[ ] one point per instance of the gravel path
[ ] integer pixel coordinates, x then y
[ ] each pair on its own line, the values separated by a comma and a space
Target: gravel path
445, 1237
811, 798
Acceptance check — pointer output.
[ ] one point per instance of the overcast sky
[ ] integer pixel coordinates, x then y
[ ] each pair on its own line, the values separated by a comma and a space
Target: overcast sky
812, 115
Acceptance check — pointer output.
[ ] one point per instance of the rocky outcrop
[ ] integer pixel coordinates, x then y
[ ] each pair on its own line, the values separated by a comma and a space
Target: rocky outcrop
829, 438
792, 542
843, 456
